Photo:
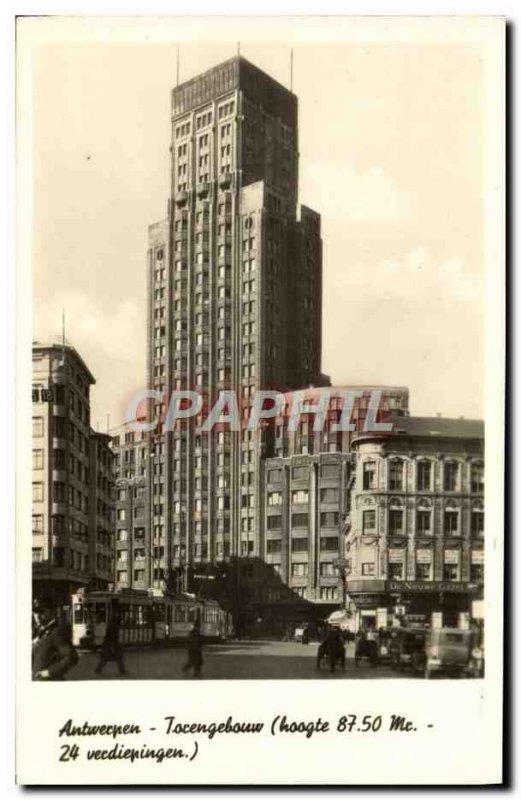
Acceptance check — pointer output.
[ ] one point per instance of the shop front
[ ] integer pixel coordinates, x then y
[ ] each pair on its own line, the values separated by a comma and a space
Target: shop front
384, 603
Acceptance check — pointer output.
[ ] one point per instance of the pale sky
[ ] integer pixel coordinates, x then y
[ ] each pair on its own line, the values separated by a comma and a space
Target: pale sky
391, 141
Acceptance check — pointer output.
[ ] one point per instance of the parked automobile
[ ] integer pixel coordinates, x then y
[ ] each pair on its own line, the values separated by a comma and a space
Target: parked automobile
407, 649
366, 648
448, 651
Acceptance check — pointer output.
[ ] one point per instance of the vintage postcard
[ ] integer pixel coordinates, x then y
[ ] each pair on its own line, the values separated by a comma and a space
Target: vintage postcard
260, 404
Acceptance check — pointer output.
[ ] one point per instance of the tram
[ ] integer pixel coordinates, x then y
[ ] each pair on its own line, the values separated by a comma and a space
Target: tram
146, 620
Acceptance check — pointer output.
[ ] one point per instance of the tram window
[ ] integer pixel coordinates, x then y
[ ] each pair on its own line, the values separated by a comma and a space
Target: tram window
78, 613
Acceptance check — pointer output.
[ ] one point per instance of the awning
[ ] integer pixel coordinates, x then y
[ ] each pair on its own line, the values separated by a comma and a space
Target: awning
339, 619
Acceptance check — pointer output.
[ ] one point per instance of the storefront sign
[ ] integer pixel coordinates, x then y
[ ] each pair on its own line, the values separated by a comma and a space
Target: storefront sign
423, 556
430, 586
396, 556
477, 557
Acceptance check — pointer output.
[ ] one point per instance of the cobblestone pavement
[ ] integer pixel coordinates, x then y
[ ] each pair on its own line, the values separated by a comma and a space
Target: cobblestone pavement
232, 660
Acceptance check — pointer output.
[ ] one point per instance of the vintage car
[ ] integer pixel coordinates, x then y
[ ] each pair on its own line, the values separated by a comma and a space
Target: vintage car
448, 651
407, 649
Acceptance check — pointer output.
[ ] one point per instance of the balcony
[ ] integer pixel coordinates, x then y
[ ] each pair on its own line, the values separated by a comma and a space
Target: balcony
203, 190
181, 199
225, 181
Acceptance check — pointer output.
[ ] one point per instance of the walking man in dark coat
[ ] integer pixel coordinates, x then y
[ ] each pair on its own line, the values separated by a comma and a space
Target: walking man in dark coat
53, 652
195, 650
111, 649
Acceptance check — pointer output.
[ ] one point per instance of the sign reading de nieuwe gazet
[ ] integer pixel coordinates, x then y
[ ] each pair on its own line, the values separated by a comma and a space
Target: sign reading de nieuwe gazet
431, 586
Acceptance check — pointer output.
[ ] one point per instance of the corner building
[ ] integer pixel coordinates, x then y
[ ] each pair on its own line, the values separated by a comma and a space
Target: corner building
414, 541
234, 302
72, 480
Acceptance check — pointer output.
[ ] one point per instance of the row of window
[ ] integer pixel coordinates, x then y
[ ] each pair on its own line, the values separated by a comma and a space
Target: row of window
451, 521
452, 476
301, 496
328, 471
424, 571
301, 545
328, 519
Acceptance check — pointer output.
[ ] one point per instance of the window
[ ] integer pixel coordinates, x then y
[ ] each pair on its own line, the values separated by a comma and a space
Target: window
37, 459
423, 572
59, 492
369, 521
139, 575
299, 570
451, 565
37, 523
329, 543
37, 427
328, 569
37, 553
423, 521
396, 571
37, 492
122, 555
450, 572
273, 546
122, 576
330, 471
369, 481
396, 475
300, 473
121, 514
423, 476
274, 523
299, 545
477, 479
328, 593
329, 495
395, 521
301, 591
300, 496
299, 520
329, 519
122, 535
274, 498
477, 522
368, 568
273, 475
450, 476
477, 573
450, 522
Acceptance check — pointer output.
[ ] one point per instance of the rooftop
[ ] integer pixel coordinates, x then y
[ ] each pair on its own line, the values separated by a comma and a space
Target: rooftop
60, 348
427, 427
234, 73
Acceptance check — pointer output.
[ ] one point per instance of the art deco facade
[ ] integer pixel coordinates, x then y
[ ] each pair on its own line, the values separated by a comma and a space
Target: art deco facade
306, 488
72, 511
234, 302
415, 536
138, 564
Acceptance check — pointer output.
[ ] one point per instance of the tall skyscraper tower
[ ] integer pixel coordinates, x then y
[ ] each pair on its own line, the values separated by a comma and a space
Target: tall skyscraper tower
234, 303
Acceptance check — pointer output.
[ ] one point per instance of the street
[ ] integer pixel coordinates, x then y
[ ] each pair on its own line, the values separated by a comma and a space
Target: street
232, 660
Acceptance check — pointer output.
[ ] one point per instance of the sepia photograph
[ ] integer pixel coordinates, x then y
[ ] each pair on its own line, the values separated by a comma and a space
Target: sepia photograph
263, 290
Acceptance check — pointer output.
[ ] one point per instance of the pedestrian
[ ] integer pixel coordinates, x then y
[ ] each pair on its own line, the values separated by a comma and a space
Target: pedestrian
111, 648
305, 634
53, 653
195, 650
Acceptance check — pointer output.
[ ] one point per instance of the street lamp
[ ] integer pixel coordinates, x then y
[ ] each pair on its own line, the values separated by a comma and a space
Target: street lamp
341, 564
